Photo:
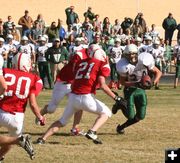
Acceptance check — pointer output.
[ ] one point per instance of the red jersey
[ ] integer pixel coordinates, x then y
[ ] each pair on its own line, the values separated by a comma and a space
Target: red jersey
20, 85
87, 72
67, 72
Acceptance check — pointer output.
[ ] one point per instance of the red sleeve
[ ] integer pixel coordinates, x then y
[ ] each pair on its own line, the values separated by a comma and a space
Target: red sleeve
37, 87
105, 70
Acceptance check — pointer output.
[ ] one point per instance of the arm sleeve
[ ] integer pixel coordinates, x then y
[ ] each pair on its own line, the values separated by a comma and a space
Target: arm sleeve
37, 87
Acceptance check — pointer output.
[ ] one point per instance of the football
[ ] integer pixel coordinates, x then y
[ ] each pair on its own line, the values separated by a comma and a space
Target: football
146, 82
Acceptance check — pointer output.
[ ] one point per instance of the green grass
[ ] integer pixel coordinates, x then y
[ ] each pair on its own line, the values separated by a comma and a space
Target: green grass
144, 142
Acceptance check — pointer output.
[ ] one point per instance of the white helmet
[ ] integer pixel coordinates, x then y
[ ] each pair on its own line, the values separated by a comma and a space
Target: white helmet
21, 61
24, 38
95, 51
131, 48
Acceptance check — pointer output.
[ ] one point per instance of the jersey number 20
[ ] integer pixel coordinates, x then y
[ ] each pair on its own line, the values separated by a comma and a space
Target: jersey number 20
26, 82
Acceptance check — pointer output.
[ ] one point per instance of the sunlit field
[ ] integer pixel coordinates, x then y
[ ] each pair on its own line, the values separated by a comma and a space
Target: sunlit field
144, 142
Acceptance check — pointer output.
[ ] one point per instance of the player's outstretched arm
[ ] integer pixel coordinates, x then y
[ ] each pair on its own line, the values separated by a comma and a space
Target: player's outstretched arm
157, 73
35, 109
3, 85
105, 88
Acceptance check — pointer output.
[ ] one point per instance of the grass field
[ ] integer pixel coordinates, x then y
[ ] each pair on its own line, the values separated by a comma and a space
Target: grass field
144, 142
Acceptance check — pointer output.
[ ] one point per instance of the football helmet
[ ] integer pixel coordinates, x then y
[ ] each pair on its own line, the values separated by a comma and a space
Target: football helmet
131, 52
21, 61
95, 51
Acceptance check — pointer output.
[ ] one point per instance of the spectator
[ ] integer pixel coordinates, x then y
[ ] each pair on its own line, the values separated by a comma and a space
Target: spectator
35, 32
142, 21
97, 22
70, 43
26, 22
89, 33
153, 32
116, 27
178, 34
78, 26
85, 23
1, 29
136, 29
68, 32
89, 14
41, 22
16, 33
62, 32
126, 24
7, 26
71, 16
57, 55
53, 30
169, 25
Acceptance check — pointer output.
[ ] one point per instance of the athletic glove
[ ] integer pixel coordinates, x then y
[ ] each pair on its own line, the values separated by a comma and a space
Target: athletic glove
120, 103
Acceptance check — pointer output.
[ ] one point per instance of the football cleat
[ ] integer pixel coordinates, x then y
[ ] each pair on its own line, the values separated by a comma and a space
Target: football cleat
92, 135
120, 130
26, 144
40, 141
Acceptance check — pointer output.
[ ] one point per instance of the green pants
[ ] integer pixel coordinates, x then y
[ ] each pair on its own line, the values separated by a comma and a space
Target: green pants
177, 71
114, 74
135, 97
44, 70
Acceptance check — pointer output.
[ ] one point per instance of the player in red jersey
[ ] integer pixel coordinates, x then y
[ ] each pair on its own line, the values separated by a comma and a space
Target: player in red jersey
62, 88
88, 73
22, 87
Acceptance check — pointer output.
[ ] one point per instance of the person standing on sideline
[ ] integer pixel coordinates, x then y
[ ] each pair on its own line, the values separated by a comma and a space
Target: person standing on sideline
169, 25
57, 56
26, 22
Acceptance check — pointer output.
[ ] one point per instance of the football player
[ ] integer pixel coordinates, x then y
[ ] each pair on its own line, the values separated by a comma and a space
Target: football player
22, 87
88, 73
62, 88
131, 69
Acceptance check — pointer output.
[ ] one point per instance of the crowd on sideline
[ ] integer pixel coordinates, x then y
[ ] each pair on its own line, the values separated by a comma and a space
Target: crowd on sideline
51, 47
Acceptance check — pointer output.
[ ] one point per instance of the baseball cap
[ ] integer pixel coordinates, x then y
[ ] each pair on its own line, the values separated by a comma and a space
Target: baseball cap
56, 40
